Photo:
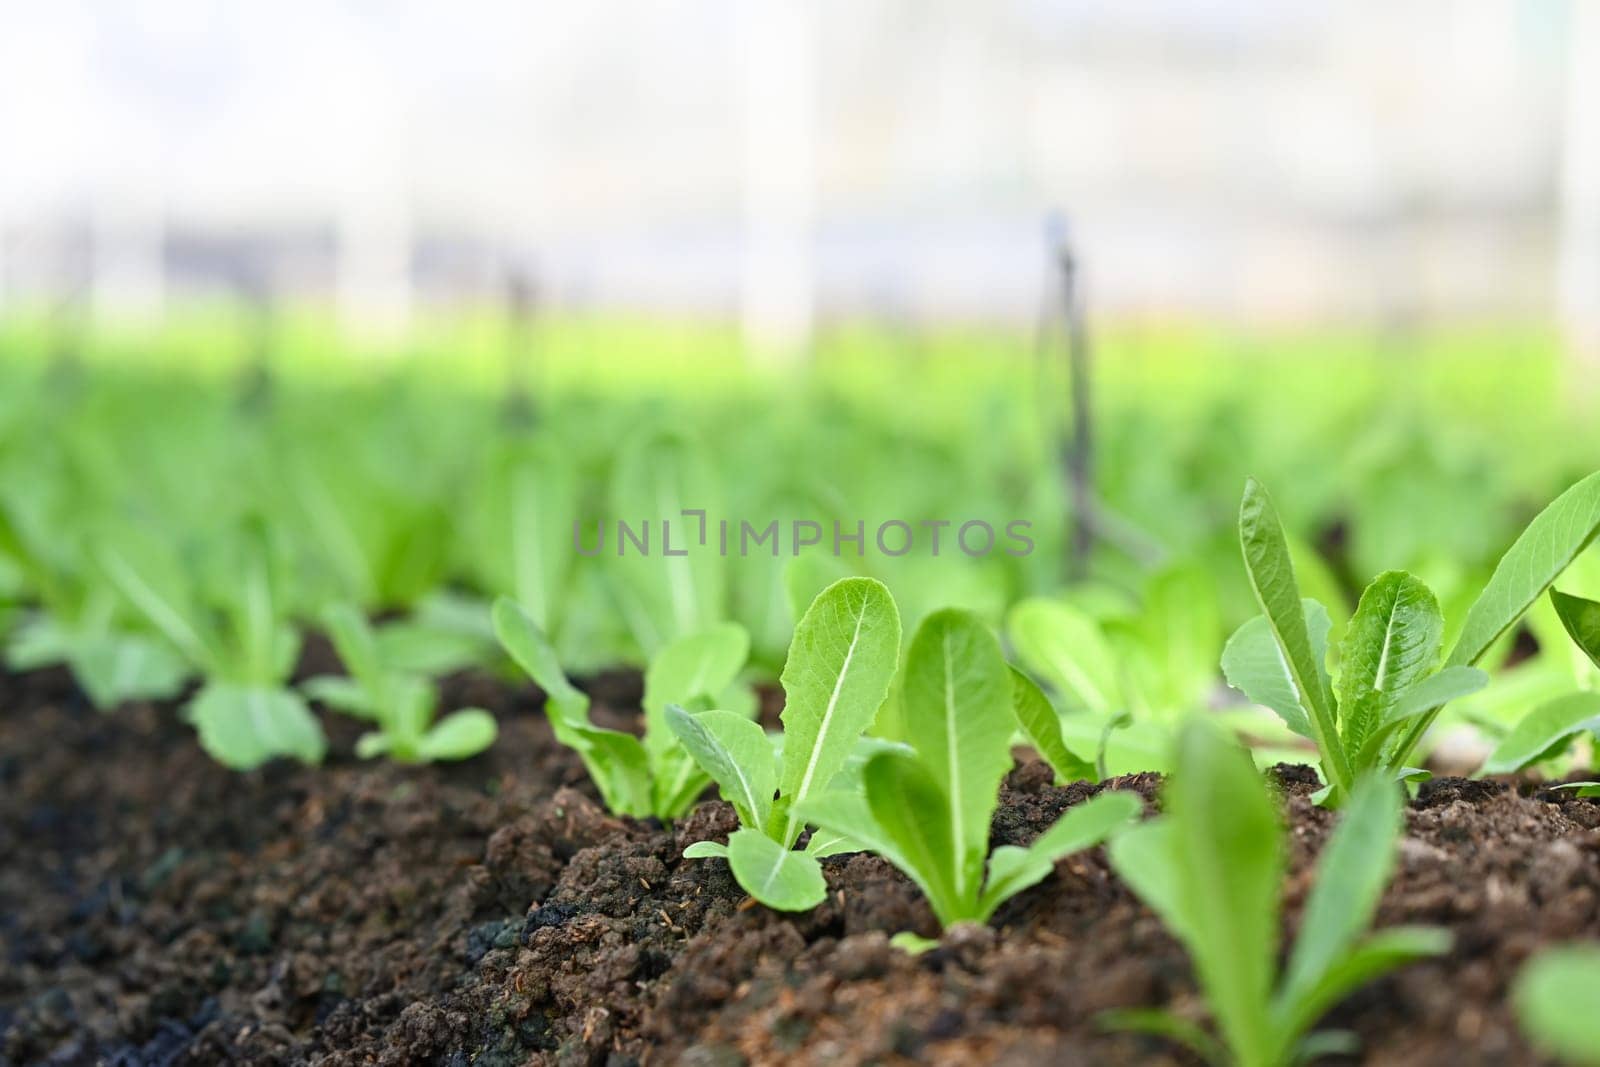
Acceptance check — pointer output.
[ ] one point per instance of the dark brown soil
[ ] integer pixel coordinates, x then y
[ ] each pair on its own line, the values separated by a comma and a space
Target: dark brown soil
156, 909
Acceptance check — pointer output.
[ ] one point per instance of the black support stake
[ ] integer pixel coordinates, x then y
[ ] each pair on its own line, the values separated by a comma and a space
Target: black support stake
1077, 453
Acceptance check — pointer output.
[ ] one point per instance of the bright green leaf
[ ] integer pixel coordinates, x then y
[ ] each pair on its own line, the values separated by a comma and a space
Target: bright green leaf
459, 735
909, 807
245, 726
1042, 727
114, 667
1379, 954
1267, 563
777, 876
845, 651
957, 707
1146, 857
698, 665
735, 753
1253, 663
1161, 1023
913, 944
1581, 618
1392, 641
1437, 690
1558, 1002
1537, 558
1082, 826
1230, 862
1352, 871
1064, 646
1544, 729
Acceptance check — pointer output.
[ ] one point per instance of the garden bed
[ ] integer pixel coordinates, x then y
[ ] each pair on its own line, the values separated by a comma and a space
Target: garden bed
157, 908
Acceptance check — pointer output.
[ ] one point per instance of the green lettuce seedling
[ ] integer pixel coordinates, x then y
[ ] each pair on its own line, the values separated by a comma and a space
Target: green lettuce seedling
1558, 1002
400, 704
233, 632
1106, 653
1391, 685
637, 777
927, 811
1213, 869
77, 624
1125, 670
844, 654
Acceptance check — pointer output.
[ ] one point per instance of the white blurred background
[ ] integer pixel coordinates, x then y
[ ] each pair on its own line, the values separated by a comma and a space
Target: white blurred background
784, 162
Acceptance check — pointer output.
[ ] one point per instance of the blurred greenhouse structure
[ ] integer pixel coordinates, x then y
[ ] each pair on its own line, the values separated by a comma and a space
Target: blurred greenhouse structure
1384, 162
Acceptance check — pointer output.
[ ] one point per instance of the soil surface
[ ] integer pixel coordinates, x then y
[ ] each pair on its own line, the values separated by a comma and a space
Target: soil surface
157, 909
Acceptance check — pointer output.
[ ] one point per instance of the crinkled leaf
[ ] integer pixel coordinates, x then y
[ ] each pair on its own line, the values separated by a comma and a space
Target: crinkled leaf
779, 877
1426, 696
1392, 641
